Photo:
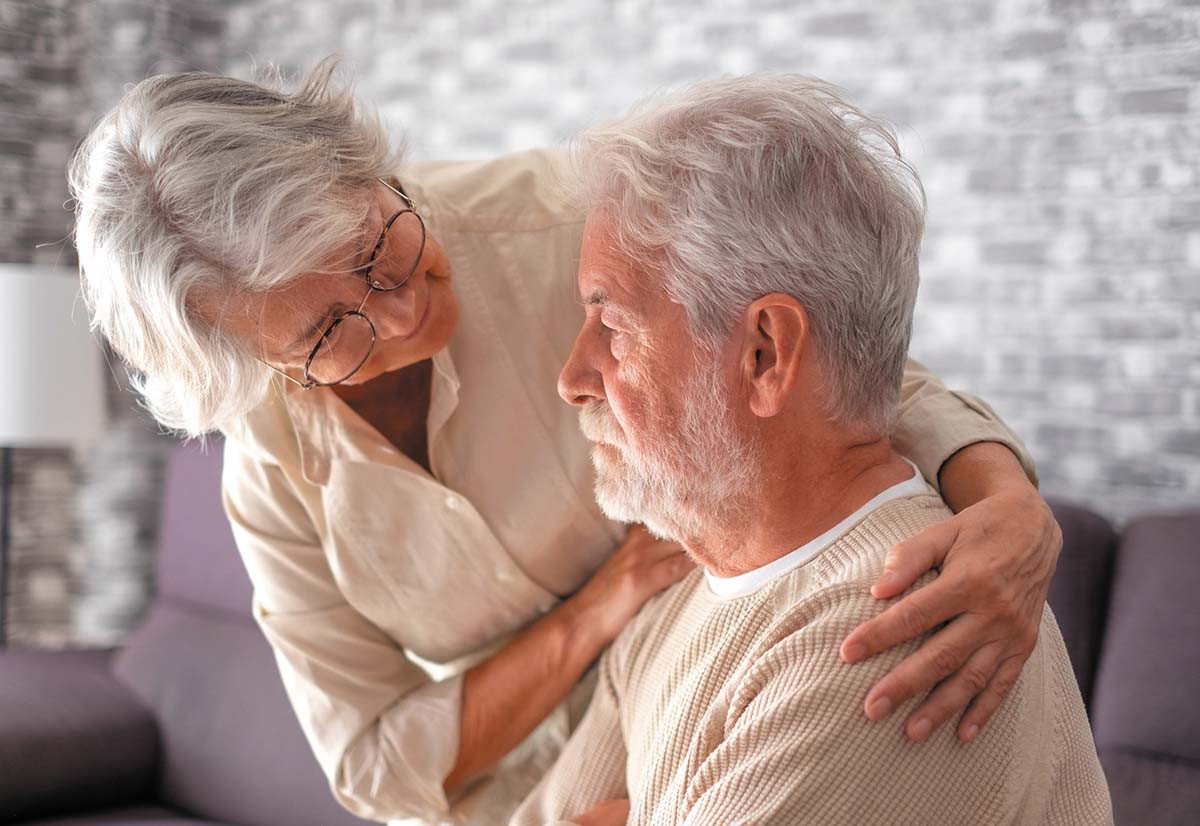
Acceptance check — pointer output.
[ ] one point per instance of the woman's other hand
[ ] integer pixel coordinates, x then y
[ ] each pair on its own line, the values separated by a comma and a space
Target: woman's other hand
996, 558
640, 568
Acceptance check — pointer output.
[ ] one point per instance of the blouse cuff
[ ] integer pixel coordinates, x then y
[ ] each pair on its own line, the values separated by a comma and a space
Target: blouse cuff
418, 747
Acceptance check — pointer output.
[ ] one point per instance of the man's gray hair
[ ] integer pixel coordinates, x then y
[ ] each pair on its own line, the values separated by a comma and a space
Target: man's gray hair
196, 189
736, 188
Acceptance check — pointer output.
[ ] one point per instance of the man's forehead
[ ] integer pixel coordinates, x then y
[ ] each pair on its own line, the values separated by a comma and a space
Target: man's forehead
606, 276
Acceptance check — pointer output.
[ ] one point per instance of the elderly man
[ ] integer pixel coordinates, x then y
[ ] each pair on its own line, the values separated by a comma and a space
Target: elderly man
749, 270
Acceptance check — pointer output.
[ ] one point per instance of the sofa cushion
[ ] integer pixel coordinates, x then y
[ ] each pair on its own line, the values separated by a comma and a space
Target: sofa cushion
231, 745
1149, 790
72, 736
198, 561
1145, 692
1079, 590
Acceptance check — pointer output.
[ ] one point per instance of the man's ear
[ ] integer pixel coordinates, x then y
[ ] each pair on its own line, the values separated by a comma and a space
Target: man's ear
776, 335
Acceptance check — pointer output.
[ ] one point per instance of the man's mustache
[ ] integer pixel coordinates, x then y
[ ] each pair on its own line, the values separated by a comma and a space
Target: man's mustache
598, 424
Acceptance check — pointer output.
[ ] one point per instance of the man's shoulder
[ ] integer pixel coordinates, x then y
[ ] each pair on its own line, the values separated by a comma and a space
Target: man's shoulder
644, 633
842, 573
520, 192
811, 610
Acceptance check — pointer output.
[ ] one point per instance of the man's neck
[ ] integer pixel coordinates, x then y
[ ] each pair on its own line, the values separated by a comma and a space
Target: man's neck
798, 499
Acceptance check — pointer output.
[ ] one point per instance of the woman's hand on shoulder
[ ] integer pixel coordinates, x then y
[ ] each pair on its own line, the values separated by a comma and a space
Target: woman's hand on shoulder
996, 558
638, 569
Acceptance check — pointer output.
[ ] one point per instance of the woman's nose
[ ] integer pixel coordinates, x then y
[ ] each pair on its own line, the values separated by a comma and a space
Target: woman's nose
396, 312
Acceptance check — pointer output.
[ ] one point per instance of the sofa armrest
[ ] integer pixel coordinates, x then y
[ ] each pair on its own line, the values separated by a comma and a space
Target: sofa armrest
72, 736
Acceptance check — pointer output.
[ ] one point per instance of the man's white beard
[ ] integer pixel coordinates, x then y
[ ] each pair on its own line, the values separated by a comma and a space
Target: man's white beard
696, 475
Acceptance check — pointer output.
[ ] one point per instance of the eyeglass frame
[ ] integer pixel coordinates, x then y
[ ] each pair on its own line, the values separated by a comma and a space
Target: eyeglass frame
372, 287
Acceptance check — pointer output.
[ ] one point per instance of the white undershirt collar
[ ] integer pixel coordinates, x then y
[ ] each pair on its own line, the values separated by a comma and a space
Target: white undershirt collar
732, 587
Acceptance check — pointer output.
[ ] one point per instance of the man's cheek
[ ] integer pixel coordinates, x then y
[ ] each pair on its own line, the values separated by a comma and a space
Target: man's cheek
640, 420
621, 346
634, 374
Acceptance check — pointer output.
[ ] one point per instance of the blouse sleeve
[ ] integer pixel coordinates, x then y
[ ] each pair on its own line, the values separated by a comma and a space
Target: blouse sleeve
935, 423
383, 732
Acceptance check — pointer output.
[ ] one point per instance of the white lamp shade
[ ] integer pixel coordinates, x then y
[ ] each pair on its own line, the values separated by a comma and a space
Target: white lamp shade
51, 367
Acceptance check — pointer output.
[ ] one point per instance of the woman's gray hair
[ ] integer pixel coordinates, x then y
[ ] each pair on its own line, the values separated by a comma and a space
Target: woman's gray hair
736, 188
201, 189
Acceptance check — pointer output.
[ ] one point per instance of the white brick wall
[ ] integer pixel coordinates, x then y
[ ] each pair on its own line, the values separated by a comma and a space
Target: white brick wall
1059, 141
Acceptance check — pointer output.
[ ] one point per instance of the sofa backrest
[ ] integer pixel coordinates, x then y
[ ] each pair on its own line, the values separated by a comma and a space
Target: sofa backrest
232, 748
198, 563
1079, 590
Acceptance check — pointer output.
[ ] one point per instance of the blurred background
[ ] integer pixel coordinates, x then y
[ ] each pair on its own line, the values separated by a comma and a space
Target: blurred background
1058, 140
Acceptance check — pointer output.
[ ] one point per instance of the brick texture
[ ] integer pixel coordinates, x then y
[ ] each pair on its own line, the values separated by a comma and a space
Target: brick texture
82, 558
1059, 142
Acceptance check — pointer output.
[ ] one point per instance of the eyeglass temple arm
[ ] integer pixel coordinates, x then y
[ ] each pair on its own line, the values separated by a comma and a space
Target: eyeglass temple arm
407, 200
297, 382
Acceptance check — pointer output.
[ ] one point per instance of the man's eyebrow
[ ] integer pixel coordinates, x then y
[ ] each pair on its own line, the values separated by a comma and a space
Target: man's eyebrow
600, 298
596, 298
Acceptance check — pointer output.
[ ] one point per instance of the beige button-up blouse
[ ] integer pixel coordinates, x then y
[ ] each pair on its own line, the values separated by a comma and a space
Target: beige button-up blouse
378, 584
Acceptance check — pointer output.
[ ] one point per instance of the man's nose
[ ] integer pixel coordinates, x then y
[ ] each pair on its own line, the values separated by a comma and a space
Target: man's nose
579, 381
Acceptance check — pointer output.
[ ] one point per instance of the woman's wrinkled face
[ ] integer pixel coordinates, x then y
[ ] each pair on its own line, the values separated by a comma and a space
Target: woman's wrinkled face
412, 322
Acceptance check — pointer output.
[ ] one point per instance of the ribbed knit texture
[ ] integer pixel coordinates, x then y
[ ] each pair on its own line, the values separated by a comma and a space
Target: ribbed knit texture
741, 712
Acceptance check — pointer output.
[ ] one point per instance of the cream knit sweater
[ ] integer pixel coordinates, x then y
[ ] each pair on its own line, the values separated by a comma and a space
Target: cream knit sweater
739, 711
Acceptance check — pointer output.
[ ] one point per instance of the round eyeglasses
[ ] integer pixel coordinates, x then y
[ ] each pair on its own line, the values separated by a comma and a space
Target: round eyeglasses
348, 340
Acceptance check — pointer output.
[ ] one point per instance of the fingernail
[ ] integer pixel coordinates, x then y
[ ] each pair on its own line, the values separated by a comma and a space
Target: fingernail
879, 709
854, 652
970, 733
920, 729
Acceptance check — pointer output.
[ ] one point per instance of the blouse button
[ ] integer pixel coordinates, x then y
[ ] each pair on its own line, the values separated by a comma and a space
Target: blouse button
452, 503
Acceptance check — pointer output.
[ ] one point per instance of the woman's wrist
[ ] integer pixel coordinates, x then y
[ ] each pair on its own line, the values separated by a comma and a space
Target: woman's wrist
584, 631
507, 695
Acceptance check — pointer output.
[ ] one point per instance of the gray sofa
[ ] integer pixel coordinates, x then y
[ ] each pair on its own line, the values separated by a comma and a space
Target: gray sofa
1129, 609
188, 722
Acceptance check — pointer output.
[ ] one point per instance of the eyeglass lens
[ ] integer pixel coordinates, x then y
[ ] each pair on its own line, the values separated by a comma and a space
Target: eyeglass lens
399, 253
343, 350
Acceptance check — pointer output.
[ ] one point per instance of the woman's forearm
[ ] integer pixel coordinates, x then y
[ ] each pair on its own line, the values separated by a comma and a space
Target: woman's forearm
505, 697
979, 471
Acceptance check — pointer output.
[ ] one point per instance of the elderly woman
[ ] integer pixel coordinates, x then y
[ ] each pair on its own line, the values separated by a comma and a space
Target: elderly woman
412, 501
